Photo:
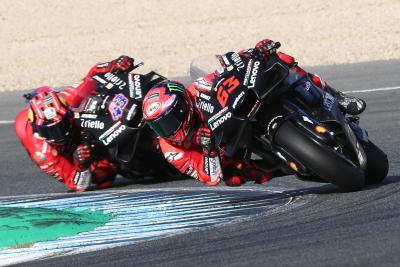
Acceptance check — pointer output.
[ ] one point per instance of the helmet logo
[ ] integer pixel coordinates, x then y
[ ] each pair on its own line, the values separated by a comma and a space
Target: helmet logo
154, 95
169, 101
150, 110
176, 87
50, 113
39, 157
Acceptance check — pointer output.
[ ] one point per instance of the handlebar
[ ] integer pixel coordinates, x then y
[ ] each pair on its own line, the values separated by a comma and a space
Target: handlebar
272, 49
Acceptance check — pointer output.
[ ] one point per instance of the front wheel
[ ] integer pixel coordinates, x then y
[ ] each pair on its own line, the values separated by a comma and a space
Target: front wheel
319, 158
377, 164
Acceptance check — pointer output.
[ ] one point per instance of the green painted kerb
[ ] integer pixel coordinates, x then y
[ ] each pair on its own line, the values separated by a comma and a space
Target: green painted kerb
21, 227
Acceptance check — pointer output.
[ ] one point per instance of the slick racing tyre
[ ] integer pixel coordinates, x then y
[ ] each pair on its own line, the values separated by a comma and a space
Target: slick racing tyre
377, 164
319, 158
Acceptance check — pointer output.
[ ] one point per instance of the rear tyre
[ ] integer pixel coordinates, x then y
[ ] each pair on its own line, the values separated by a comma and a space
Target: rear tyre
319, 158
377, 164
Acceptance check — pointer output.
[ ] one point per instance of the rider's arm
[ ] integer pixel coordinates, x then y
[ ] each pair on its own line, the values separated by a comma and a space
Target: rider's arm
201, 166
75, 94
122, 63
52, 163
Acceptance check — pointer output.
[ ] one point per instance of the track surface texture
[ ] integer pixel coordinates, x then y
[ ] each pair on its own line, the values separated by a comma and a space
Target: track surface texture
331, 228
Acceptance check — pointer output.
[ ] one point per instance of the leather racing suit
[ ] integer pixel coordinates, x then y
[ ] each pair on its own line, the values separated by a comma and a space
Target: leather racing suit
192, 159
57, 160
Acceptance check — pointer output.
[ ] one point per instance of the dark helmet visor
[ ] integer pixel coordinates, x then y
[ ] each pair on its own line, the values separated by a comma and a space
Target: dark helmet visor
167, 125
56, 132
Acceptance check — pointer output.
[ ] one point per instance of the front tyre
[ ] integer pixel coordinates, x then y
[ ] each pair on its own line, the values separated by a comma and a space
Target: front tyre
319, 158
377, 164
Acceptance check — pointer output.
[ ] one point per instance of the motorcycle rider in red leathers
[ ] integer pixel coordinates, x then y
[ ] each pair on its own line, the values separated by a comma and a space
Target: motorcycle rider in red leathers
54, 143
185, 140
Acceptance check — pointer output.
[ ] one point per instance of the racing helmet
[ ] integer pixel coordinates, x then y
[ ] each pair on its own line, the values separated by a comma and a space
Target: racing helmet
49, 116
168, 110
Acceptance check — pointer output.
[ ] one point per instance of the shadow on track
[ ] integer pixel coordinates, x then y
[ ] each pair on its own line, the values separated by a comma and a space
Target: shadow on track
326, 189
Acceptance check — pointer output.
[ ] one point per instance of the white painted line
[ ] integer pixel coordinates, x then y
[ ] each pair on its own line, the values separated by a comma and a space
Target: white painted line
6, 122
373, 90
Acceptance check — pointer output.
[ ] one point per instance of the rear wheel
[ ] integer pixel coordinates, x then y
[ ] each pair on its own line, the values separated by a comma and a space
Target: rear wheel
319, 158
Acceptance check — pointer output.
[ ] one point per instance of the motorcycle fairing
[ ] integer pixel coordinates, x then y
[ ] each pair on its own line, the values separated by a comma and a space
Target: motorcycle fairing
120, 137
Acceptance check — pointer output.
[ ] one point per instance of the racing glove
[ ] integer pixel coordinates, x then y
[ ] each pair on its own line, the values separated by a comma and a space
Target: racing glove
203, 138
82, 157
122, 64
265, 48
83, 176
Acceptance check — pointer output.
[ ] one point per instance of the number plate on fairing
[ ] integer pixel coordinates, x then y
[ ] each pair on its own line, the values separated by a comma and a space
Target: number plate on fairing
226, 95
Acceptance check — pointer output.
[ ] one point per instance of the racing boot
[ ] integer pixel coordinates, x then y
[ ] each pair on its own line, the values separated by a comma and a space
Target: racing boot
257, 175
242, 173
348, 104
234, 181
233, 175
104, 183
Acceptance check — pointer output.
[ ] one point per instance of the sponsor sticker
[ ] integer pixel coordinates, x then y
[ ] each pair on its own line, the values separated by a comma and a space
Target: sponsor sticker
203, 84
111, 129
50, 113
152, 108
225, 59
218, 115
90, 105
114, 80
204, 96
328, 101
135, 86
172, 156
220, 121
132, 112
87, 116
138, 87
117, 106
205, 106
215, 169
99, 79
106, 141
237, 61
83, 179
92, 124
238, 98
254, 73
248, 71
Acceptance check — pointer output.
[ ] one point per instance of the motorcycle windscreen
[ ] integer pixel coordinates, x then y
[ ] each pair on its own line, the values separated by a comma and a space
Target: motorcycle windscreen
269, 80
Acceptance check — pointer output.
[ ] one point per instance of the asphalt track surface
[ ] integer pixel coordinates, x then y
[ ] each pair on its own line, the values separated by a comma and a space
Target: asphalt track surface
330, 228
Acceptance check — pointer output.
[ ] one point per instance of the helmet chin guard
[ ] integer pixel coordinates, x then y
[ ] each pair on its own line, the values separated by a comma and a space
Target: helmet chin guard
49, 117
167, 110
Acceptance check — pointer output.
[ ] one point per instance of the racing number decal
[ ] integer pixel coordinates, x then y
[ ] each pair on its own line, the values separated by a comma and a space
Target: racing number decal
225, 89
